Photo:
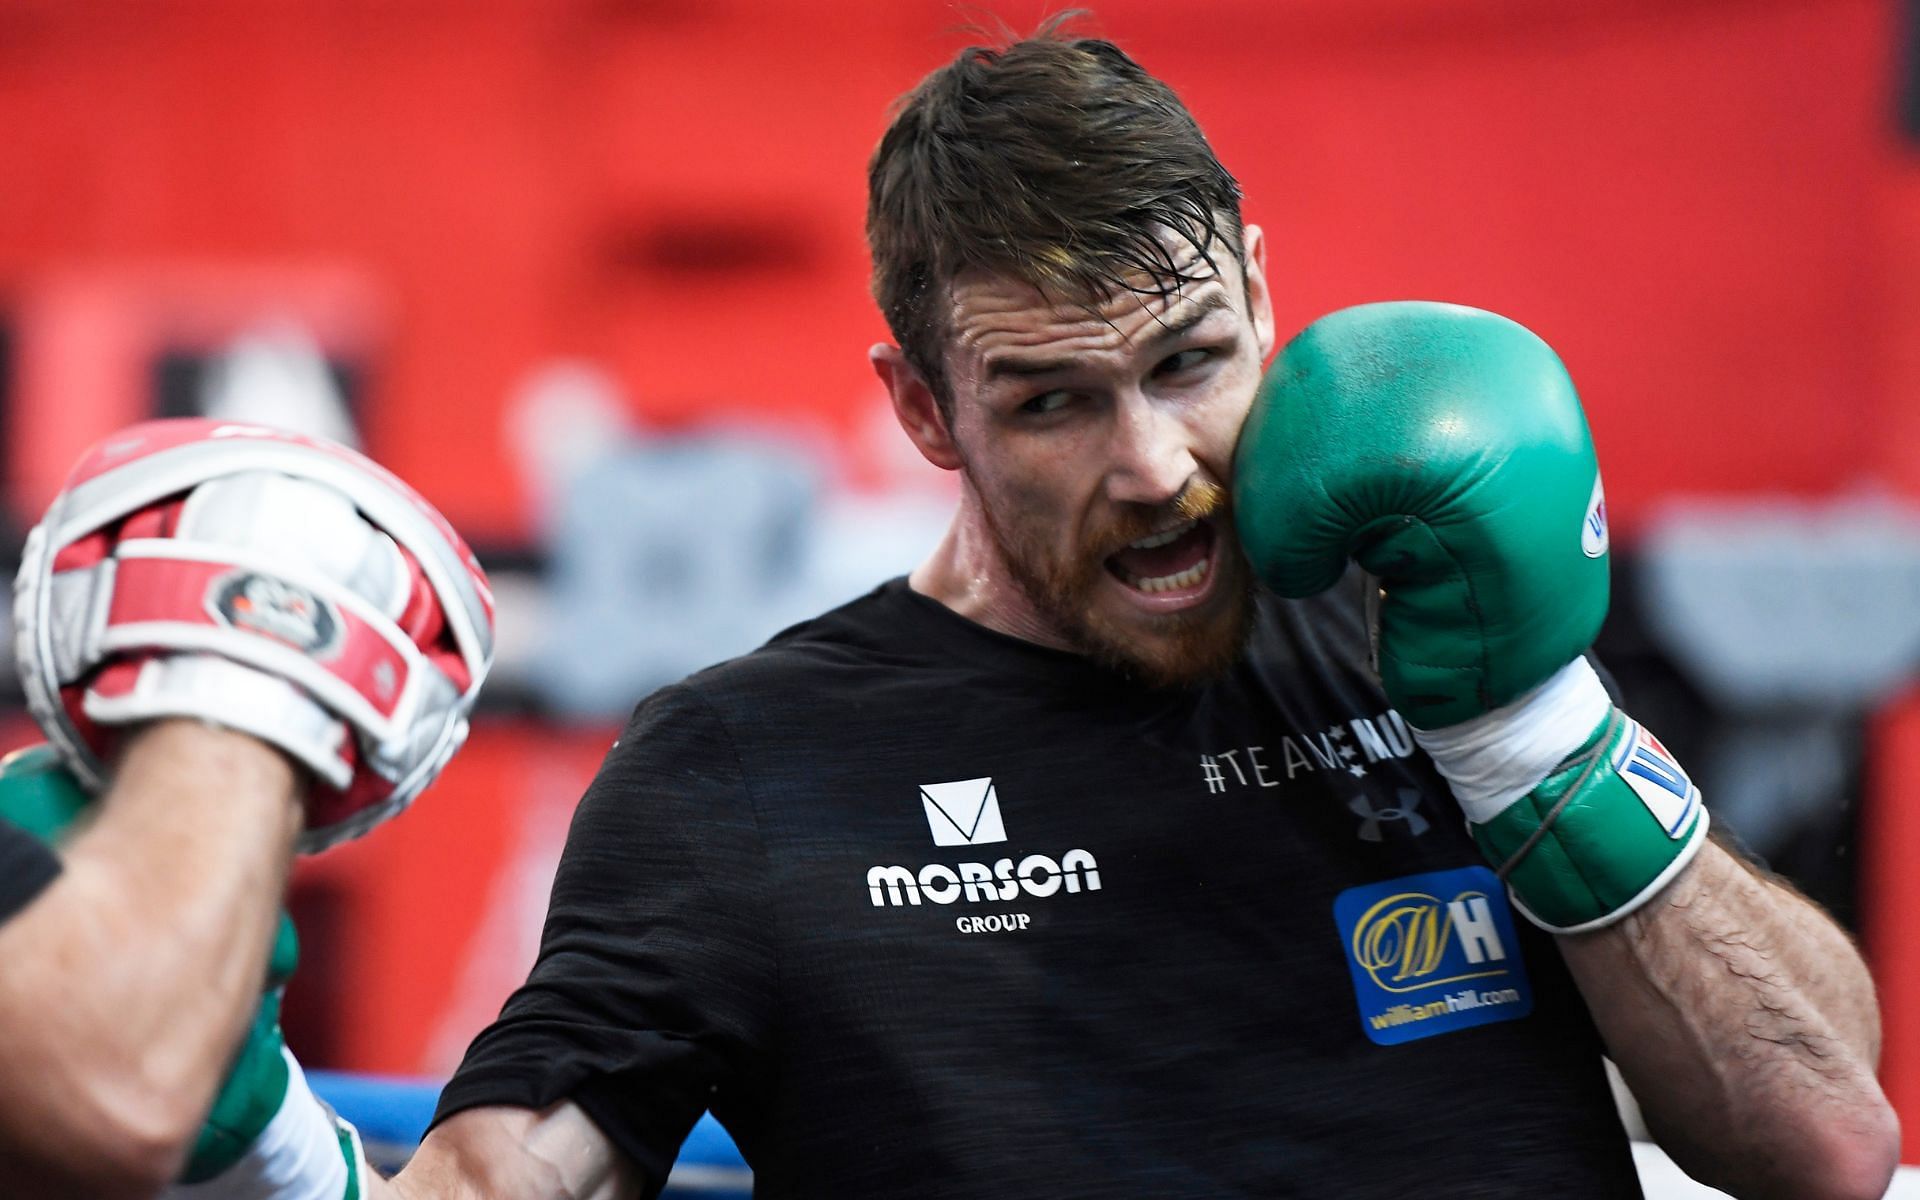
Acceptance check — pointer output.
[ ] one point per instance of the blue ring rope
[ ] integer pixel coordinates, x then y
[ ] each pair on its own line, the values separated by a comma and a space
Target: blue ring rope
393, 1112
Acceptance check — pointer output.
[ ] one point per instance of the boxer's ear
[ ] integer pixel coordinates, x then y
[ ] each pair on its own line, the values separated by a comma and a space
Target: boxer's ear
916, 406
1259, 299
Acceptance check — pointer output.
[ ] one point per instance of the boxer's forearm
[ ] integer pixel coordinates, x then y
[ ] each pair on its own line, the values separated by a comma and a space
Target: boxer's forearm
131, 978
1746, 1025
516, 1154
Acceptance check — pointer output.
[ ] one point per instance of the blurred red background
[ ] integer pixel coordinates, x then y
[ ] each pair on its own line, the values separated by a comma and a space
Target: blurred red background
1703, 204
1699, 202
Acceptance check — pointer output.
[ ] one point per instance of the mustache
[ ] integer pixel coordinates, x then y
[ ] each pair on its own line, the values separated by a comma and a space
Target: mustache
1200, 500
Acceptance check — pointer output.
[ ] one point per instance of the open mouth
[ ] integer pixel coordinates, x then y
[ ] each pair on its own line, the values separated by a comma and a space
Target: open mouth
1169, 562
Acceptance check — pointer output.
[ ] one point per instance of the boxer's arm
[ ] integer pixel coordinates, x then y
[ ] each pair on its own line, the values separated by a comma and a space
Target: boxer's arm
130, 978
1444, 449
1745, 1023
515, 1154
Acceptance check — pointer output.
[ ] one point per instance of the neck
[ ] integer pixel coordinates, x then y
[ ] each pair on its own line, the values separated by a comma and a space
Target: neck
968, 573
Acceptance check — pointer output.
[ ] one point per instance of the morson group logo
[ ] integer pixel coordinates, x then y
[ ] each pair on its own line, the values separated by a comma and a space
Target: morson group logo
963, 813
977, 883
966, 812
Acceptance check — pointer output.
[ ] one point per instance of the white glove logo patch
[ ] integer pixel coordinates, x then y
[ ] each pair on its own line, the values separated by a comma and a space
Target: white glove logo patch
276, 609
1593, 531
1650, 769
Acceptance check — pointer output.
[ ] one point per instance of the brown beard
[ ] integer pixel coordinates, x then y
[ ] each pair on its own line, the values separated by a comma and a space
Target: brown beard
1182, 648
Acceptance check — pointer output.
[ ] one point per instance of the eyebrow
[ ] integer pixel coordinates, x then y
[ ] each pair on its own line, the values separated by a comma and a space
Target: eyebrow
1005, 367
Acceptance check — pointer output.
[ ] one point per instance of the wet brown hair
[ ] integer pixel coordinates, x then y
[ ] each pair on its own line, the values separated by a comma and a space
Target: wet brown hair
1057, 161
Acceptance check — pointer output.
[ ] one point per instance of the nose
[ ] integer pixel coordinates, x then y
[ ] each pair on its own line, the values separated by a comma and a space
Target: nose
1152, 452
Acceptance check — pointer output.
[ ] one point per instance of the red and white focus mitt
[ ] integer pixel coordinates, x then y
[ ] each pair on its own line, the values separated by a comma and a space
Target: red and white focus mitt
279, 585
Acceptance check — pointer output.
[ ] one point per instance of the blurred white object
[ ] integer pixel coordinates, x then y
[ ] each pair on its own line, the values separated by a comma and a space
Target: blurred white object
667, 553
565, 416
667, 556
277, 376
1796, 616
862, 538
1662, 1180
1772, 604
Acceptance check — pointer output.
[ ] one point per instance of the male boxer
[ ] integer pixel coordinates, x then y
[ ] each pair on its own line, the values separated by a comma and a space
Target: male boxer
245, 642
1075, 864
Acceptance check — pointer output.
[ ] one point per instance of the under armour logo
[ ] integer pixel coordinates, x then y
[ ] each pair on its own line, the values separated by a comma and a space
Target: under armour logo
1372, 818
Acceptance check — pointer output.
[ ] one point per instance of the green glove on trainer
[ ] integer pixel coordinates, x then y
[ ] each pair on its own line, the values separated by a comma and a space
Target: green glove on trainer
267, 1135
1444, 450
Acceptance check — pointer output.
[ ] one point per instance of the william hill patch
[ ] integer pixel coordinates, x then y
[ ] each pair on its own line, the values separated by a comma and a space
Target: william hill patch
1432, 953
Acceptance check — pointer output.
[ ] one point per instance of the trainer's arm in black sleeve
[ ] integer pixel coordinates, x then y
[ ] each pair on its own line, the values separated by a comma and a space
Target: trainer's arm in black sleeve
653, 995
133, 961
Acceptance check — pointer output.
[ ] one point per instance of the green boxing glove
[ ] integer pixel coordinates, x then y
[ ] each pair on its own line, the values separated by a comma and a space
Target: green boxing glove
266, 1135
1444, 450
39, 795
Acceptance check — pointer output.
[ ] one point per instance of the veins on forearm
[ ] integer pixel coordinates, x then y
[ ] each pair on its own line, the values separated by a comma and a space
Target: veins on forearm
1737, 925
1745, 1022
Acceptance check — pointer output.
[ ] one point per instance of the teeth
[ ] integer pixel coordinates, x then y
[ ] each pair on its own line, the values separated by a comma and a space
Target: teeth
1173, 583
1163, 537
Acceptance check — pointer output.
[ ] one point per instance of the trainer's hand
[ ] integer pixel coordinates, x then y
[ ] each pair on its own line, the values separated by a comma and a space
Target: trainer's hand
274, 584
1444, 450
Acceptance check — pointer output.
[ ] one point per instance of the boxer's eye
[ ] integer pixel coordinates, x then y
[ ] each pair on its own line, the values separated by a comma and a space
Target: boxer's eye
1047, 402
1186, 360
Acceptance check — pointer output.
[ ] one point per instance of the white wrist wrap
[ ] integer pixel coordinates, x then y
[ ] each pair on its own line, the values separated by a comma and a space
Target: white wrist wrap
298, 1156
1498, 757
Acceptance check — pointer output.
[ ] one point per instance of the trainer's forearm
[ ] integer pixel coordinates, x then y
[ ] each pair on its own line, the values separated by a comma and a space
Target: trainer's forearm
1746, 1024
131, 978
